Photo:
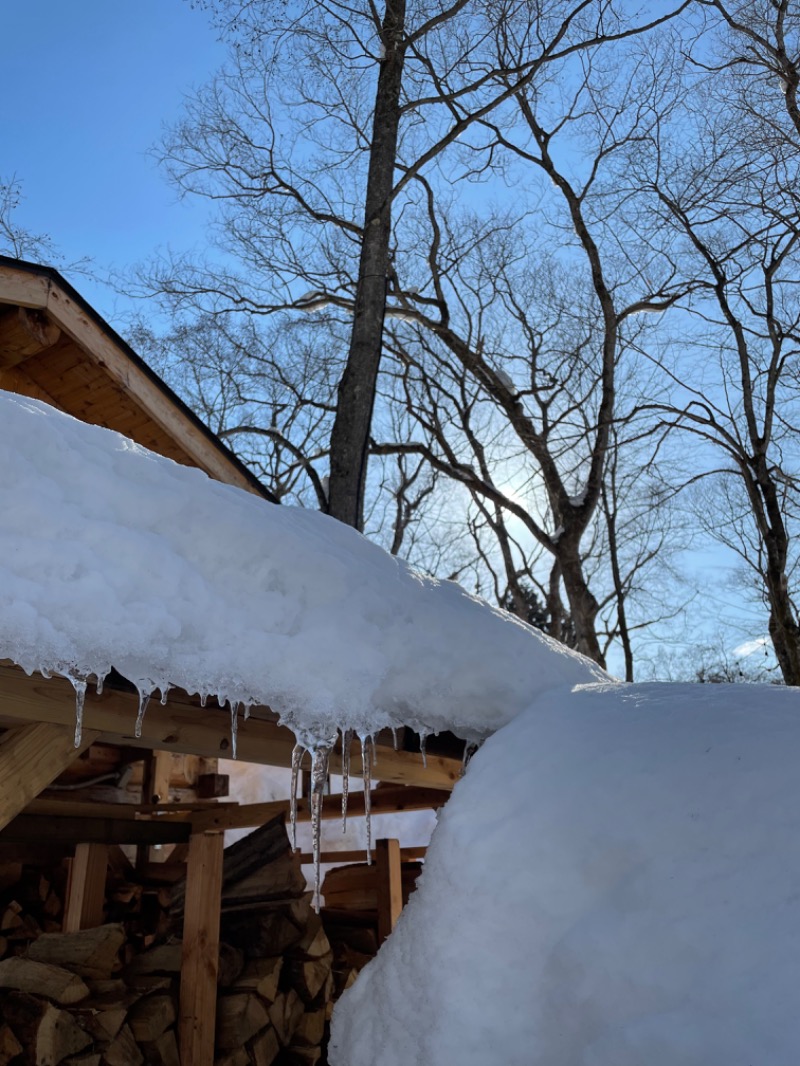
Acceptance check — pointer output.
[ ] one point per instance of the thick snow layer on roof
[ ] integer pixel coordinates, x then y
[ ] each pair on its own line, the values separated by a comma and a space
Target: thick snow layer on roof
113, 556
613, 883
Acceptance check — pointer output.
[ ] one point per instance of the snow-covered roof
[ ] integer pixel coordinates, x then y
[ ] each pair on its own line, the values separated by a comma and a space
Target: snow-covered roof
112, 556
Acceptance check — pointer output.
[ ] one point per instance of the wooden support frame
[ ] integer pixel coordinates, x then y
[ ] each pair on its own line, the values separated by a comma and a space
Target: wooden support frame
200, 957
86, 888
183, 726
389, 872
31, 757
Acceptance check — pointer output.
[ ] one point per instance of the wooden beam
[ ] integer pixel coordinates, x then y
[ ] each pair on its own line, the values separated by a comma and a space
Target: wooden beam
184, 726
345, 857
200, 956
86, 888
390, 886
24, 333
383, 801
27, 828
31, 757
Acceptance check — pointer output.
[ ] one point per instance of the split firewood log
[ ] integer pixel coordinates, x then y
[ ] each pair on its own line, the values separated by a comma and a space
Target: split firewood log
264, 1048
123, 1050
52, 982
49, 1033
151, 1016
285, 1014
239, 1017
10, 1047
310, 1029
261, 976
88, 953
162, 1052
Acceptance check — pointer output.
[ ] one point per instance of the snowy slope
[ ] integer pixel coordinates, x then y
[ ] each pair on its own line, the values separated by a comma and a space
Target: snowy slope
615, 882
113, 556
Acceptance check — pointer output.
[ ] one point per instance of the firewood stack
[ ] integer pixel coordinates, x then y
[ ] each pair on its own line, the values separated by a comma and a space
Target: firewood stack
109, 996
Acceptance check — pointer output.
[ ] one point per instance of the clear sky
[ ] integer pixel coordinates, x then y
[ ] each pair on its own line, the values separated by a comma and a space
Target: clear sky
87, 86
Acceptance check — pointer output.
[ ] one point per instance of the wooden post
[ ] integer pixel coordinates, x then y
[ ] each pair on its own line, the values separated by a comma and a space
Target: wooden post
200, 959
86, 888
390, 886
156, 775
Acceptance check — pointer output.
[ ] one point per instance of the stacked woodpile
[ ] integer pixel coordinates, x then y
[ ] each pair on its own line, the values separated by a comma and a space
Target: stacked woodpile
110, 995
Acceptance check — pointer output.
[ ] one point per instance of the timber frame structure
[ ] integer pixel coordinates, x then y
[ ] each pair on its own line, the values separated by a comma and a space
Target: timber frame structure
54, 347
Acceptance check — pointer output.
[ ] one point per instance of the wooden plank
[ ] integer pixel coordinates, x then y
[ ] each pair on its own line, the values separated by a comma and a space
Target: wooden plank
390, 885
138, 384
200, 955
359, 856
184, 726
383, 801
31, 757
27, 828
23, 288
86, 888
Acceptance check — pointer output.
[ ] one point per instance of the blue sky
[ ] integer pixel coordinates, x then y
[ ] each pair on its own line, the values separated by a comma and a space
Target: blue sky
87, 86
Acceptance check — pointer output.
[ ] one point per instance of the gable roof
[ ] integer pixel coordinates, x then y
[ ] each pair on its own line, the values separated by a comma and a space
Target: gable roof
55, 347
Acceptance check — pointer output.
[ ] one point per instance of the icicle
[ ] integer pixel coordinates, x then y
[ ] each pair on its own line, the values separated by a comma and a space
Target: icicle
374, 749
43, 671
80, 697
203, 699
234, 726
297, 757
365, 769
470, 747
394, 737
100, 681
246, 711
164, 694
423, 739
144, 699
347, 741
320, 756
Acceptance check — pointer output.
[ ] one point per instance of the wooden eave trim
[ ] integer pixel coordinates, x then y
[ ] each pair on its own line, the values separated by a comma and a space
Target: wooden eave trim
23, 286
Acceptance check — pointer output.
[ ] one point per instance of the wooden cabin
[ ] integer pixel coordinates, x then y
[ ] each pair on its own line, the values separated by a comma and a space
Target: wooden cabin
162, 790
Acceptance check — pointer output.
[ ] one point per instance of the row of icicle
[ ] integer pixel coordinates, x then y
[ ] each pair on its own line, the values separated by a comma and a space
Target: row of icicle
319, 750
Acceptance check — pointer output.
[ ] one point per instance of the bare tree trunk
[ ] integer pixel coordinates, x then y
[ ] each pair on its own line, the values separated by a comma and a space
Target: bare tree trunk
356, 398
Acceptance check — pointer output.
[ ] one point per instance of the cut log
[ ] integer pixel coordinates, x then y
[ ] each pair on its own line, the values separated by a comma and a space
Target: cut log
355, 887
310, 1029
264, 930
239, 1018
302, 1056
12, 916
239, 1057
285, 1014
163, 958
231, 964
162, 1052
314, 942
49, 1033
309, 975
151, 1017
52, 982
3, 946
10, 1047
88, 953
89, 1058
264, 1048
261, 976
103, 1024
151, 982
123, 1050
279, 879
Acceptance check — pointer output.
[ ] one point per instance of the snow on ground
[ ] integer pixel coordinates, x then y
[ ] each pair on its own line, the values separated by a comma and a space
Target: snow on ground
113, 556
615, 882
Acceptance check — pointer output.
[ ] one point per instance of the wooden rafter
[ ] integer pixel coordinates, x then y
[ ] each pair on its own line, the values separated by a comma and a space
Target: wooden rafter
31, 757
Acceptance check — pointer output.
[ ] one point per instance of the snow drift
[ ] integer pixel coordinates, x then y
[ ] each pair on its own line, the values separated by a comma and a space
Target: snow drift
113, 556
613, 883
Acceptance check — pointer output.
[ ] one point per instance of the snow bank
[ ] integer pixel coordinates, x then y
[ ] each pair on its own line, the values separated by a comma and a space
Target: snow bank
615, 882
113, 556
